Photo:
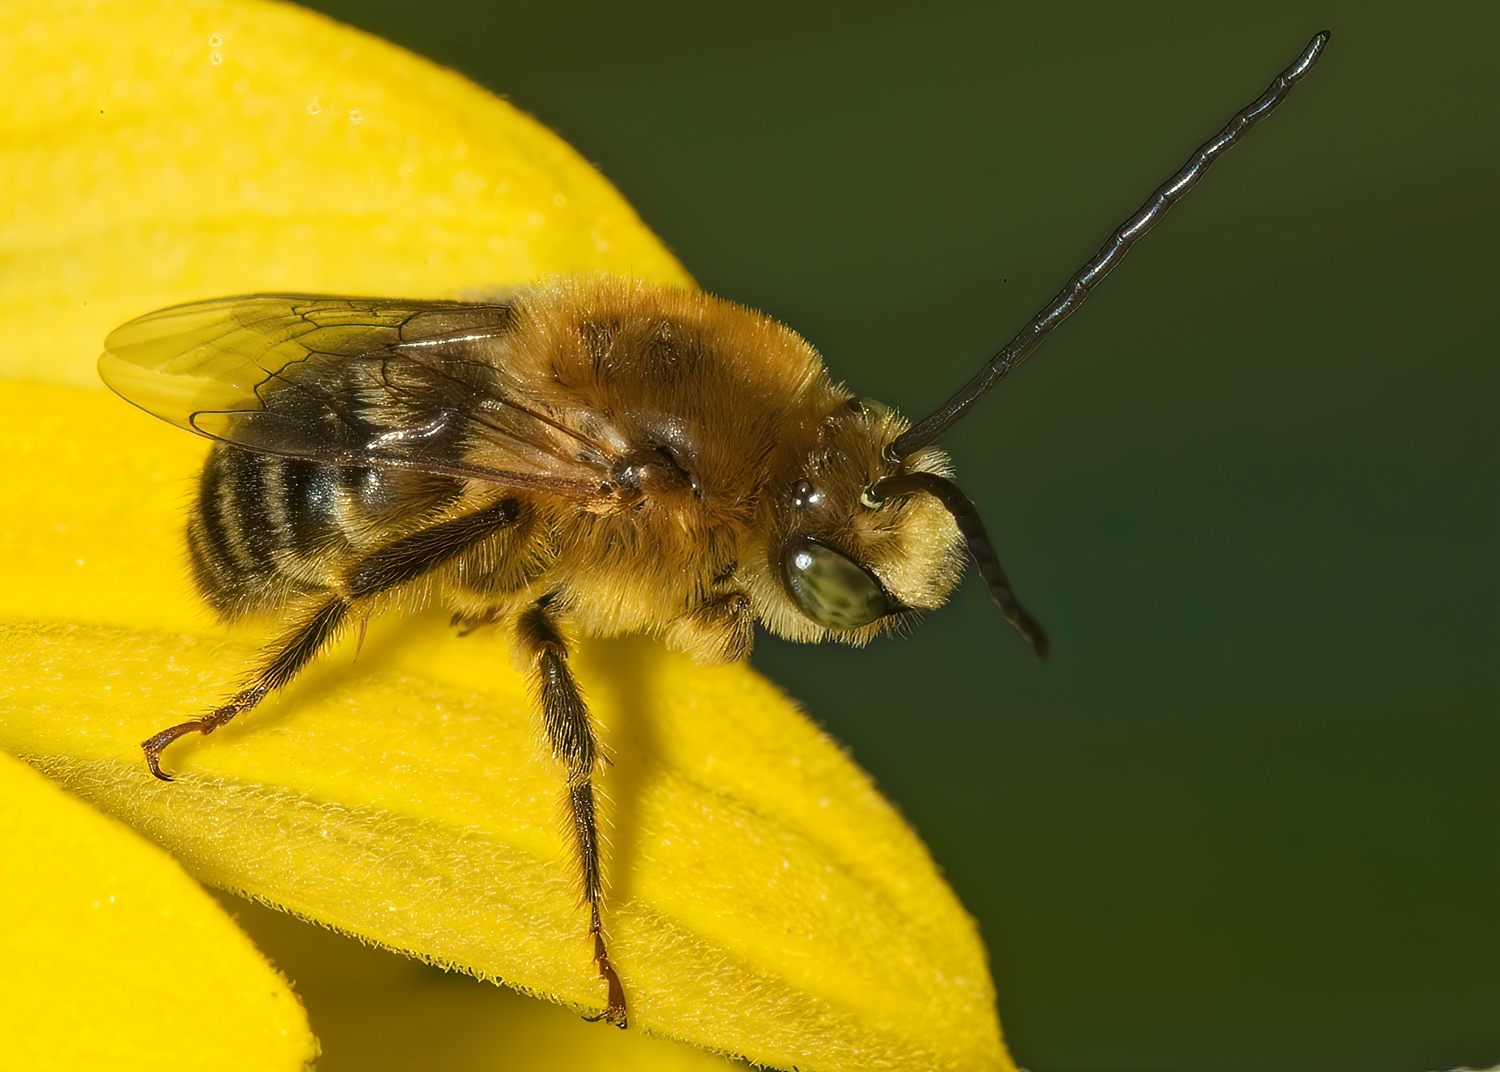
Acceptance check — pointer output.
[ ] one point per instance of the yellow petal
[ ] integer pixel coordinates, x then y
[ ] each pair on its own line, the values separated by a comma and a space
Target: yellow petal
765, 901
156, 152
375, 1011
115, 959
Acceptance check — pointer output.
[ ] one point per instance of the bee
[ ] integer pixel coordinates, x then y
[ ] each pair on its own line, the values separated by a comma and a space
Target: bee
592, 456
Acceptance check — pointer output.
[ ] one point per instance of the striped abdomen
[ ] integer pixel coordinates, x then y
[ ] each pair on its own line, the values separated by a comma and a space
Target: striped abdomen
267, 529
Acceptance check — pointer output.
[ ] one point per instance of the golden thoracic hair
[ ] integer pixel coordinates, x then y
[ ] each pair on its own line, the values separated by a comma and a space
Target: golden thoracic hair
715, 415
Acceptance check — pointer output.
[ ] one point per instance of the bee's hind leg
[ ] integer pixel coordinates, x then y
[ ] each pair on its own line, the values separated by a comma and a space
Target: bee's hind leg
397, 563
571, 734
295, 651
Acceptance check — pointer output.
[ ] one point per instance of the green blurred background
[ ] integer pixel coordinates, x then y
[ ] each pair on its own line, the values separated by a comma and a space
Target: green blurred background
1245, 817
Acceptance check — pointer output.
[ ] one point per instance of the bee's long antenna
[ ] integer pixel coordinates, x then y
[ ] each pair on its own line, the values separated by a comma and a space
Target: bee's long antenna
1110, 254
969, 524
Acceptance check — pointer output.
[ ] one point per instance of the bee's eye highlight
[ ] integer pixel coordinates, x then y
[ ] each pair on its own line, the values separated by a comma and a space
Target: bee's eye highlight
831, 588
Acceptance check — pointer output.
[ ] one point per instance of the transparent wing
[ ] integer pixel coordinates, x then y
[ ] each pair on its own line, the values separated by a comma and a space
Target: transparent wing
353, 381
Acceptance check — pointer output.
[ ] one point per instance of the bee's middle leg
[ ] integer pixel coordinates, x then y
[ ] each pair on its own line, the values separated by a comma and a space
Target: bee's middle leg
571, 734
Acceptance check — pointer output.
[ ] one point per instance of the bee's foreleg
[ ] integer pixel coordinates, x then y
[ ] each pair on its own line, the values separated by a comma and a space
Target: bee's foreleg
395, 564
571, 734
718, 630
468, 623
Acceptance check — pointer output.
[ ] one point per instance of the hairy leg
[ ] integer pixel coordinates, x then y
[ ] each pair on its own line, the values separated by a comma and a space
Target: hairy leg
289, 655
395, 564
571, 734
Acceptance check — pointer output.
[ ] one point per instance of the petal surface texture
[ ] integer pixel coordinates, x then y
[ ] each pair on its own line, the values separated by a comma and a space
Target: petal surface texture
375, 1011
114, 958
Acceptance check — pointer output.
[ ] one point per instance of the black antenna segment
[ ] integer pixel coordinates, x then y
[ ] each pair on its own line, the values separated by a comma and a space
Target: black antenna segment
972, 529
926, 431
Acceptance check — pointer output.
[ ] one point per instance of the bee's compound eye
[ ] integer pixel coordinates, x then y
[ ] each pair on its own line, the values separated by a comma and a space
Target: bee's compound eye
831, 588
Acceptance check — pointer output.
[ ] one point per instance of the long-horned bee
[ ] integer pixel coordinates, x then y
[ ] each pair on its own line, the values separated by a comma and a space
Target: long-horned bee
591, 456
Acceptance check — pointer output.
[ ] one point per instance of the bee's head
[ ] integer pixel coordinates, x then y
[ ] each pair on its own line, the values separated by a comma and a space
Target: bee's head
836, 564
860, 537
870, 525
